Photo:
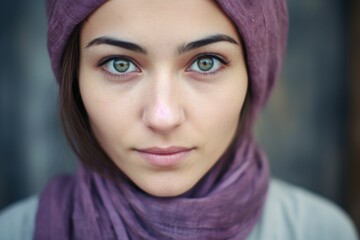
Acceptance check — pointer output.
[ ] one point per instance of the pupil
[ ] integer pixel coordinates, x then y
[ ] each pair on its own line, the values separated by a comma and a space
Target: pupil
205, 64
121, 65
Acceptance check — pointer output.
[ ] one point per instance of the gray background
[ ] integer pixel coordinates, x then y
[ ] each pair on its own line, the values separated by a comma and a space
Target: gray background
302, 129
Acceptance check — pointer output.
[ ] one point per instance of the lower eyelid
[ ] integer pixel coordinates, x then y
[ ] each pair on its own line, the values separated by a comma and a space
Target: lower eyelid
119, 77
206, 75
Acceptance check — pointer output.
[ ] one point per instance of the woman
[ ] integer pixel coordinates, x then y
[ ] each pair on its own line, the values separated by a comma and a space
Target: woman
158, 99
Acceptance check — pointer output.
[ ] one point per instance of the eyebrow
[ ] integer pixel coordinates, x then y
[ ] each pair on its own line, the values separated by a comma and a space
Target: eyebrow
117, 43
181, 50
205, 41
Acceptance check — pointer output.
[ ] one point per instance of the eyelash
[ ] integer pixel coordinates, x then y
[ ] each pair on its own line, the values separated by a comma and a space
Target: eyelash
104, 64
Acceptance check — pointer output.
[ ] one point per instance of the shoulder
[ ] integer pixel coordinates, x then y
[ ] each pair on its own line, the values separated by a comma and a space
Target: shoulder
18, 220
294, 213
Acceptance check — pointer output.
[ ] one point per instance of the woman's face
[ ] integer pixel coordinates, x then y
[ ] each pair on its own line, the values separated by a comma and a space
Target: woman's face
163, 83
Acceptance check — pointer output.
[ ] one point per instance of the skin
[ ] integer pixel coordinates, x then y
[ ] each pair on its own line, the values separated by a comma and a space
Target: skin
163, 99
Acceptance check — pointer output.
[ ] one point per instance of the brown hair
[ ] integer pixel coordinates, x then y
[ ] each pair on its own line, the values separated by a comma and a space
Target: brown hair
75, 120
73, 114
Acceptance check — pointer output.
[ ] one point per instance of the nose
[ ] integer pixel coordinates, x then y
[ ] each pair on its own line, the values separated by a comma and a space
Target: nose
163, 110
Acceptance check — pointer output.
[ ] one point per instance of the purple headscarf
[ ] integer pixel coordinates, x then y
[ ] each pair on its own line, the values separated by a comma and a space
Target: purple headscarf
225, 204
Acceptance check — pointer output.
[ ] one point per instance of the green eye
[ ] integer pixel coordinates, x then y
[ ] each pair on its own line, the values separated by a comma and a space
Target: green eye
205, 64
121, 65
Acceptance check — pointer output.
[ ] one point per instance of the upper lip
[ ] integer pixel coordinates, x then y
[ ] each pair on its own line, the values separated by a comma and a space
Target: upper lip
164, 150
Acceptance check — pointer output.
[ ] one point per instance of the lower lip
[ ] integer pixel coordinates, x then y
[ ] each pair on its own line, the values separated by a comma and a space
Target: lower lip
165, 160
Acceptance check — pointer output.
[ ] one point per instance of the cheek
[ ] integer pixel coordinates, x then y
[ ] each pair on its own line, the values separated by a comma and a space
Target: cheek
110, 119
225, 120
219, 117
106, 111
100, 114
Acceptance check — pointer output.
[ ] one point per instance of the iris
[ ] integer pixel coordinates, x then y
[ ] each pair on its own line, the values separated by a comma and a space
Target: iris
205, 64
121, 65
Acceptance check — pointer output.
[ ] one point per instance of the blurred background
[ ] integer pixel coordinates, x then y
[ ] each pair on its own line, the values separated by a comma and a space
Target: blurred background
310, 128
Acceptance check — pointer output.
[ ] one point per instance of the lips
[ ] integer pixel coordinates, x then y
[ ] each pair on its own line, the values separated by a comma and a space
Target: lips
164, 157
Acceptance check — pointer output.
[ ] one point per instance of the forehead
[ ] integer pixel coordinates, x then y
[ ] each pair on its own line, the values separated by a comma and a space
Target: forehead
156, 20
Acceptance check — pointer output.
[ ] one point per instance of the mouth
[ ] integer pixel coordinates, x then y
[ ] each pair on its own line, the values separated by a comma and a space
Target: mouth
164, 157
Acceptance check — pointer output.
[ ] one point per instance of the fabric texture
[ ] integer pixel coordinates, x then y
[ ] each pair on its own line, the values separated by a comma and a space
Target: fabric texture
63, 16
228, 200
288, 214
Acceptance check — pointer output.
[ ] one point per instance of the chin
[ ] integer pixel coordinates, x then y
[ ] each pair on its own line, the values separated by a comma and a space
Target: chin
166, 189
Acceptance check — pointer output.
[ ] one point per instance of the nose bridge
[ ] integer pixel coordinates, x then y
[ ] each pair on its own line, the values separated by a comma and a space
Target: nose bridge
163, 110
163, 90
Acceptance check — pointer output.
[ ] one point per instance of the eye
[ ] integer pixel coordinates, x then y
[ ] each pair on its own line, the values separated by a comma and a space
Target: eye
207, 64
119, 66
